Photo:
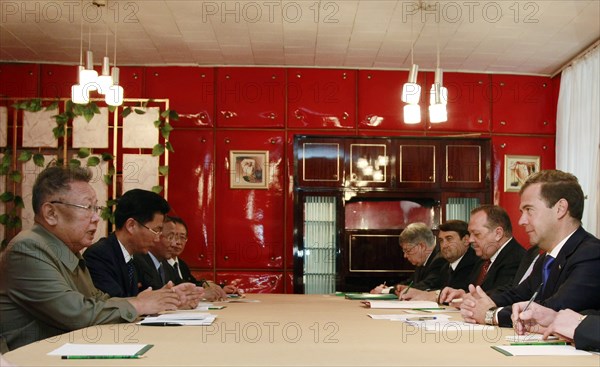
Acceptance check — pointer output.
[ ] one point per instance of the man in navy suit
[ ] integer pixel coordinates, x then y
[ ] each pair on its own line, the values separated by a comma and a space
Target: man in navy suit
490, 232
568, 276
460, 261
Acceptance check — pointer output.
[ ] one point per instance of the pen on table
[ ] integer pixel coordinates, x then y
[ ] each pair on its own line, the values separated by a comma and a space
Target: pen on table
407, 288
533, 296
161, 324
101, 357
422, 318
541, 343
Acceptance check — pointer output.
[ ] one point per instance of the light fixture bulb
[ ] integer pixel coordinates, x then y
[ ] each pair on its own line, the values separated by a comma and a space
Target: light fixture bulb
411, 91
114, 95
105, 80
79, 95
412, 114
438, 113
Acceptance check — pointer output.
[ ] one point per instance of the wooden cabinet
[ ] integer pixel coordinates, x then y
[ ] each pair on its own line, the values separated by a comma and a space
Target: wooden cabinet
369, 163
417, 167
466, 165
320, 162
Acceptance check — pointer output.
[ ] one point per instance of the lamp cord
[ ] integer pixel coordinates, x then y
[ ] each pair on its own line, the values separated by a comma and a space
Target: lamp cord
81, 36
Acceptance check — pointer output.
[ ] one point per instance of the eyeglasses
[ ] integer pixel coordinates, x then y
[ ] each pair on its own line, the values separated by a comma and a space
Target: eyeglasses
154, 232
181, 238
409, 250
90, 208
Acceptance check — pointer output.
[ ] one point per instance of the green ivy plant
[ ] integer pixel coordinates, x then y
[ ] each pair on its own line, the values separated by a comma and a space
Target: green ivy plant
11, 220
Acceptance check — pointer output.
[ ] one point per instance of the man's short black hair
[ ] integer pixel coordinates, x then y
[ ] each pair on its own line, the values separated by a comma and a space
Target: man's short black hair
140, 205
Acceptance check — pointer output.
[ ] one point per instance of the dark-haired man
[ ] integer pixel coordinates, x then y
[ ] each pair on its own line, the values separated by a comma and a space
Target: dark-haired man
45, 287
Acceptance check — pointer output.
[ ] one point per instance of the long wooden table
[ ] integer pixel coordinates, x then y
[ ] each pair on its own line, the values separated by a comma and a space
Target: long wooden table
294, 330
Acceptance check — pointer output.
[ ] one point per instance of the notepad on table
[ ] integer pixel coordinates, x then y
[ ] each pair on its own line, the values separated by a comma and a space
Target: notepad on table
370, 296
540, 350
401, 304
529, 338
100, 351
181, 318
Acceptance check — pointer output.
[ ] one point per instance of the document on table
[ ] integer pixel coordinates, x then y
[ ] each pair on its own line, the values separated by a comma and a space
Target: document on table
180, 319
401, 304
100, 351
414, 317
540, 350
529, 338
445, 325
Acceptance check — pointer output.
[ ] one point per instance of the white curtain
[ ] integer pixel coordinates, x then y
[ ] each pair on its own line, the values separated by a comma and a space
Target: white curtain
578, 132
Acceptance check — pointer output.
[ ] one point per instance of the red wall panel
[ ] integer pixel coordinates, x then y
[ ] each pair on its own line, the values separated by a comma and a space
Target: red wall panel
190, 91
512, 145
251, 97
19, 80
191, 192
56, 80
249, 222
321, 98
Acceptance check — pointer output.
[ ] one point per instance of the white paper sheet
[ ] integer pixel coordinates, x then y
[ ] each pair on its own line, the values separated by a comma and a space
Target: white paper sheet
542, 350
405, 317
70, 349
528, 338
181, 318
401, 304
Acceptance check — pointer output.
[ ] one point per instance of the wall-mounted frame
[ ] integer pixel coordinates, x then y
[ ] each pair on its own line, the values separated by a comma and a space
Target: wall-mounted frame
517, 169
249, 169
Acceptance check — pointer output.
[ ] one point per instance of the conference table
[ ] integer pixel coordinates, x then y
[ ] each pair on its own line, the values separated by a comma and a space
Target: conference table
295, 330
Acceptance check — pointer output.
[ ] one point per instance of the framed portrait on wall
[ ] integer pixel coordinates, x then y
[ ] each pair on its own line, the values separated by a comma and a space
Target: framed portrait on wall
517, 169
249, 169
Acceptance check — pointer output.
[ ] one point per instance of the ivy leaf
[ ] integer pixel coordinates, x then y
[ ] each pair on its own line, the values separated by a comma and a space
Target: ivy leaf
107, 157
126, 112
107, 179
157, 123
39, 160
93, 161
163, 170
4, 217
61, 119
88, 114
19, 202
157, 189
4, 169
25, 156
83, 152
170, 147
6, 157
7, 196
158, 150
111, 202
112, 109
140, 111
59, 131
52, 106
78, 109
94, 108
74, 163
14, 222
166, 130
164, 114
15, 176
173, 115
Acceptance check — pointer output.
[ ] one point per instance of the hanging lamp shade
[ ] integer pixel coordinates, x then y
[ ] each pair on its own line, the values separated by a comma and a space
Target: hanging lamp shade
411, 91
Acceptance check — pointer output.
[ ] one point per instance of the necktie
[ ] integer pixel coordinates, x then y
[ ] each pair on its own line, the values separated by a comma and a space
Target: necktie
177, 272
161, 272
548, 261
484, 269
130, 271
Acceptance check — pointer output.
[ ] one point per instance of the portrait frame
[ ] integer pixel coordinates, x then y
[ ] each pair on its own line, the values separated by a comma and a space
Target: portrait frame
517, 169
248, 169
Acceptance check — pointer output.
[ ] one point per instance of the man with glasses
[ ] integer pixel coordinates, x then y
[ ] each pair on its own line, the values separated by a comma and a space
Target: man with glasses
175, 231
419, 247
46, 288
139, 216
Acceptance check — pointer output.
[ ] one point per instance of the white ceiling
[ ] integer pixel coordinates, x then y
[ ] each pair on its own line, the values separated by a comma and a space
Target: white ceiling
502, 36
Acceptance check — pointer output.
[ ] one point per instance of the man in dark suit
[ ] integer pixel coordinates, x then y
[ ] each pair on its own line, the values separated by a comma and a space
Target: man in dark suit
460, 260
569, 274
490, 232
139, 219
176, 233
419, 247
581, 328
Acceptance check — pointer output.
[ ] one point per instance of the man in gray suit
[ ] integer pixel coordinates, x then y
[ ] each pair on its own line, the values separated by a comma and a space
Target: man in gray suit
46, 288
